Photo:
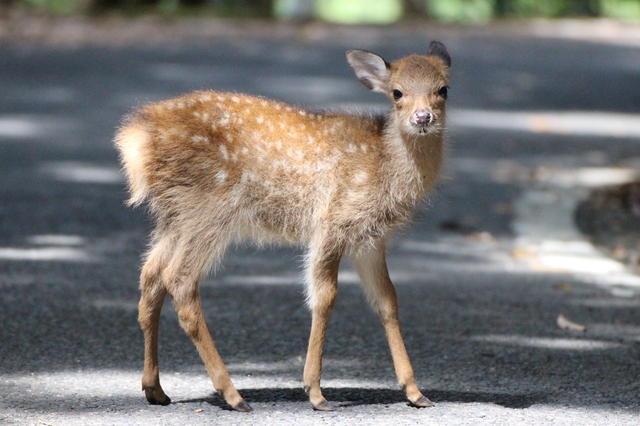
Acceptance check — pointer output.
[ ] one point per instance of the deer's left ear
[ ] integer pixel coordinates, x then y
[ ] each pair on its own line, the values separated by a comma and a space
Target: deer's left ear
438, 50
371, 69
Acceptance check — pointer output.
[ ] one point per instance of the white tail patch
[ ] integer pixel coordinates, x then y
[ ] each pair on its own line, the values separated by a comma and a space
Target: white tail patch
132, 142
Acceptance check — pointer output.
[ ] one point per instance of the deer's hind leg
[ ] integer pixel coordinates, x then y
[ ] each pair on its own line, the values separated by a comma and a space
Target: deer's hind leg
193, 256
152, 295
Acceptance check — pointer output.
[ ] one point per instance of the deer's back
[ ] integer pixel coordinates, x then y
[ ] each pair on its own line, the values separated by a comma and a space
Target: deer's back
272, 169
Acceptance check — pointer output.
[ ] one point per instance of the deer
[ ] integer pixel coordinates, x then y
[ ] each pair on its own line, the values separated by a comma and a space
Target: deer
216, 167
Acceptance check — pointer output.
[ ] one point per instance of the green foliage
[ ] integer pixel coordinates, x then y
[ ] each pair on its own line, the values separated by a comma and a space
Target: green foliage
56, 7
359, 11
351, 11
485, 10
621, 9
461, 10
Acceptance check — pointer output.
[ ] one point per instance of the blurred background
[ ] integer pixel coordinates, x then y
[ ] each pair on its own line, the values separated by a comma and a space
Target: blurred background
537, 213
349, 11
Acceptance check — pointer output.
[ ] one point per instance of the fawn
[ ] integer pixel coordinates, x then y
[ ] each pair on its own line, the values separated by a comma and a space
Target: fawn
215, 167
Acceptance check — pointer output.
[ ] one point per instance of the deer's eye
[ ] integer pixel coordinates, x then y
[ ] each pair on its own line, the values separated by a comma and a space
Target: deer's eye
397, 95
443, 92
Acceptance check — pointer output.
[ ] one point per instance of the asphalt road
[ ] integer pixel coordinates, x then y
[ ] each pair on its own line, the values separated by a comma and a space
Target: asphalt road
491, 261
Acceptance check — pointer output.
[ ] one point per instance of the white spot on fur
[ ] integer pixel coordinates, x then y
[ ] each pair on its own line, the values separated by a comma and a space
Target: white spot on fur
221, 176
229, 137
260, 119
360, 177
224, 121
223, 151
238, 190
245, 150
279, 145
364, 147
351, 148
302, 112
235, 99
199, 139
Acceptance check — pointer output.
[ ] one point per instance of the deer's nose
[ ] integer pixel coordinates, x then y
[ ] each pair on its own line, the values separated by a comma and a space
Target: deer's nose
422, 117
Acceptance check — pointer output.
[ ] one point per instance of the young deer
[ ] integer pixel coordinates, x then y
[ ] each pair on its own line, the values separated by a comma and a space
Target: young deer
220, 166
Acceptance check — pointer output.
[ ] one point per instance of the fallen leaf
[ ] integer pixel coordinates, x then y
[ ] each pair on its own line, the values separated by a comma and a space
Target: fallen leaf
562, 287
199, 410
520, 253
565, 324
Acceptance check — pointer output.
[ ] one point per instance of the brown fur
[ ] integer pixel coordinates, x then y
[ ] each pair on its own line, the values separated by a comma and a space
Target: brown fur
219, 166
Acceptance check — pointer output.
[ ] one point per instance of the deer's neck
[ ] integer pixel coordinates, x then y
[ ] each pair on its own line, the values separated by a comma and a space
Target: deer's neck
414, 162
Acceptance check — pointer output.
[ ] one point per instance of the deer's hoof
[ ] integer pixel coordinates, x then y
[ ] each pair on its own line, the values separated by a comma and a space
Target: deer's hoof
323, 406
422, 402
243, 407
156, 396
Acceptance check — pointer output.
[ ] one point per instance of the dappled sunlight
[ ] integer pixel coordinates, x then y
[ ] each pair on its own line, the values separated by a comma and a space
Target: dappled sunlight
46, 254
19, 127
254, 279
478, 252
318, 89
56, 240
569, 123
570, 256
27, 126
79, 172
294, 365
547, 342
50, 248
118, 304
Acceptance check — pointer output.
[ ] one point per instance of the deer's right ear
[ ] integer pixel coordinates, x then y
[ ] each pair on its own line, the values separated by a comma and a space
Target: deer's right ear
371, 69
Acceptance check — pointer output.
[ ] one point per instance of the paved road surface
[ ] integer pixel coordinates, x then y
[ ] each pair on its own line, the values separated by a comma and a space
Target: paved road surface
491, 262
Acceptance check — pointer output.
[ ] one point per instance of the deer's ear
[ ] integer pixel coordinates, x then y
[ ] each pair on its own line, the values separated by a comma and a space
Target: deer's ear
438, 50
371, 69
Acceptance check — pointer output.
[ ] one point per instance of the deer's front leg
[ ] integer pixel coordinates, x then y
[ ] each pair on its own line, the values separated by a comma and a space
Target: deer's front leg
372, 268
322, 287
